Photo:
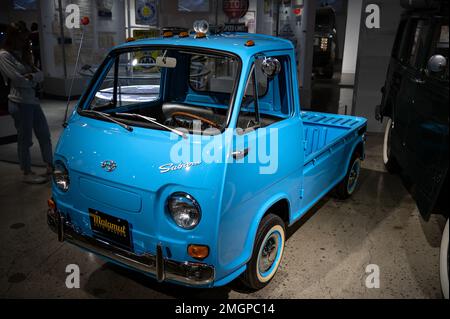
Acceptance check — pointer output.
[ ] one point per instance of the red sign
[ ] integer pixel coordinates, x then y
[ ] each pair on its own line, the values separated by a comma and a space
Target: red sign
235, 9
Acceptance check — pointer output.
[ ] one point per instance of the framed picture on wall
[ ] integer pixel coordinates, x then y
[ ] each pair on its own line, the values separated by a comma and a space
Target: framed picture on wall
250, 21
104, 8
146, 12
24, 5
193, 5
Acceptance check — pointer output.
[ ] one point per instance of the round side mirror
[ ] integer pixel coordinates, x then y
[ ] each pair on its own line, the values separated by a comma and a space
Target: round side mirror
437, 63
271, 67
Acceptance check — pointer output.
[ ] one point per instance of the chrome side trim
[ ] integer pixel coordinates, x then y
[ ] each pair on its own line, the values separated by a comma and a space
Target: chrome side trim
188, 273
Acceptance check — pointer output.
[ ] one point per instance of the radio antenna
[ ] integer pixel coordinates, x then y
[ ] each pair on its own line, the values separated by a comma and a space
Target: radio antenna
84, 22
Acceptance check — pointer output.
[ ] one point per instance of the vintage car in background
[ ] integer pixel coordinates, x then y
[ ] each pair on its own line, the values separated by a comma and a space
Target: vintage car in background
124, 189
415, 106
325, 42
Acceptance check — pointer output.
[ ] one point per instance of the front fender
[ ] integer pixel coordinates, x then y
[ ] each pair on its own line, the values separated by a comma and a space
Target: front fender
259, 216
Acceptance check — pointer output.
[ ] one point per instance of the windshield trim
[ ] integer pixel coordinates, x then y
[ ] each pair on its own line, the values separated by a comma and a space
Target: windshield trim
88, 95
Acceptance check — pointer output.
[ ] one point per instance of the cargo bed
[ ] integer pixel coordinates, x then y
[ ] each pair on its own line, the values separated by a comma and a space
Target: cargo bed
323, 130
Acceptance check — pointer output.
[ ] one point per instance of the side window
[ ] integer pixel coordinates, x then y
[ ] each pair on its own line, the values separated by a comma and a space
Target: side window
399, 40
249, 116
261, 79
273, 101
440, 46
212, 74
419, 44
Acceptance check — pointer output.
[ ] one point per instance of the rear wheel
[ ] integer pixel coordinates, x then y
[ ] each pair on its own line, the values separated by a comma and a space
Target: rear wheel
348, 185
267, 253
444, 261
388, 159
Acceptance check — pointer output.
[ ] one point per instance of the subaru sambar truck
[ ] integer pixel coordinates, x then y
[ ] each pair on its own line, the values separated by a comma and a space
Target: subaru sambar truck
188, 156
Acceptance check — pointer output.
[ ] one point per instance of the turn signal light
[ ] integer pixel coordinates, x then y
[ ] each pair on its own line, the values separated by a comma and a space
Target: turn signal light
183, 34
198, 251
249, 43
200, 35
51, 204
168, 34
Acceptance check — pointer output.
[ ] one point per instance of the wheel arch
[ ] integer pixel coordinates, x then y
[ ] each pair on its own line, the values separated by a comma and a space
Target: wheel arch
359, 147
278, 205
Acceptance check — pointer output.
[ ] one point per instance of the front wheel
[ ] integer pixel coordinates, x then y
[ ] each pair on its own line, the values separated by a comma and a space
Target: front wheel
444, 262
388, 160
267, 253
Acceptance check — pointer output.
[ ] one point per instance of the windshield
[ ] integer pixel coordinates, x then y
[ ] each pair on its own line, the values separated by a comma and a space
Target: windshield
174, 87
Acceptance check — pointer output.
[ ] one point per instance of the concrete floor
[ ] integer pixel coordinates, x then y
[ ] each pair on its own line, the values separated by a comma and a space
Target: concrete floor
326, 254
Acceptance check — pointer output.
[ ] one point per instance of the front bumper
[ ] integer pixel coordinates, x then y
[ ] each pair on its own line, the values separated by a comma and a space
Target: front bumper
187, 273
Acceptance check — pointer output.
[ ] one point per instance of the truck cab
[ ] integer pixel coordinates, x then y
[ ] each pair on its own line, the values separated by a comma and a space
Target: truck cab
188, 156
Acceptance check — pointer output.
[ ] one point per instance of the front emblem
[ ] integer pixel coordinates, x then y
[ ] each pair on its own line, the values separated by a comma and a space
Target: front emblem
109, 166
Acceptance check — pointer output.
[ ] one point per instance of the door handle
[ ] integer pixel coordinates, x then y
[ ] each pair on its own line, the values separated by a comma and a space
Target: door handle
237, 155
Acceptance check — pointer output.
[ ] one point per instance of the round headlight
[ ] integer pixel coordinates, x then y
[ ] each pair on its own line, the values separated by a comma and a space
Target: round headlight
61, 176
184, 210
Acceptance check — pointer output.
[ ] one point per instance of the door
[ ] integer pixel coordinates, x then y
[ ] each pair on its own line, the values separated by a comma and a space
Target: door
427, 140
267, 152
409, 77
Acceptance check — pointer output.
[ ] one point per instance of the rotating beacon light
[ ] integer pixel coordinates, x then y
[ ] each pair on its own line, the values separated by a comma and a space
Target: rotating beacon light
201, 28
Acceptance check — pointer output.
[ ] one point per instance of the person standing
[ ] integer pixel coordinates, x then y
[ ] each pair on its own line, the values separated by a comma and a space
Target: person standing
17, 69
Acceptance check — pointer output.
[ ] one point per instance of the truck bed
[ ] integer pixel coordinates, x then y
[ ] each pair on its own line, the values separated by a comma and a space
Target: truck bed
322, 130
329, 140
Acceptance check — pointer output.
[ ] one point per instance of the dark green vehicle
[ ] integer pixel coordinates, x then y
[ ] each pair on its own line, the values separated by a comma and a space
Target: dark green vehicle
415, 107
325, 42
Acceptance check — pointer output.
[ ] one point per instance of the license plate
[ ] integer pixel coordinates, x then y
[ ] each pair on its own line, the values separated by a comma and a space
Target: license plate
110, 228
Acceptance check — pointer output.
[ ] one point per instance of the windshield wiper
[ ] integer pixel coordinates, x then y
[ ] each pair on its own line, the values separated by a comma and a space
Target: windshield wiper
109, 118
153, 121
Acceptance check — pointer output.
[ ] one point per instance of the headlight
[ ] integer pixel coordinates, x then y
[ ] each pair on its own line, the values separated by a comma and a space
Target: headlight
184, 210
61, 176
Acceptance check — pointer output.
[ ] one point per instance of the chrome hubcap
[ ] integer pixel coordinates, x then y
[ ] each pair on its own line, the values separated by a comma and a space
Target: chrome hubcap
268, 253
353, 177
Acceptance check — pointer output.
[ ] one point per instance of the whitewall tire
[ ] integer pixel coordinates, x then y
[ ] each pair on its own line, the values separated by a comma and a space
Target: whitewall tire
388, 158
444, 261
267, 253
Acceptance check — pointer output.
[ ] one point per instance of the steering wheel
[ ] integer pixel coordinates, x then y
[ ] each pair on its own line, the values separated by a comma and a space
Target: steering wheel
194, 117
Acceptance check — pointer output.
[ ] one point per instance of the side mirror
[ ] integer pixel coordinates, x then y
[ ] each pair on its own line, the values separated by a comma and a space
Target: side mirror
270, 67
437, 64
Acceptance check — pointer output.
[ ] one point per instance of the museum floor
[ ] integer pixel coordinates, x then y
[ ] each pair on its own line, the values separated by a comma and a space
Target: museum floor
326, 254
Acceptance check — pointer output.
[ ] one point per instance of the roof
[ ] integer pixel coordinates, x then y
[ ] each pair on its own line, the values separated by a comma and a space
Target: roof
231, 42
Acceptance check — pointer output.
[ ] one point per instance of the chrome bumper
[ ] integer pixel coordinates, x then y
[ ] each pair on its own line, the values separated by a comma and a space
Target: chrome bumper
188, 273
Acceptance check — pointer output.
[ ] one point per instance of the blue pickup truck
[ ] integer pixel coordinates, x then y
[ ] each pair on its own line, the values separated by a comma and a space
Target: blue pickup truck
188, 156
